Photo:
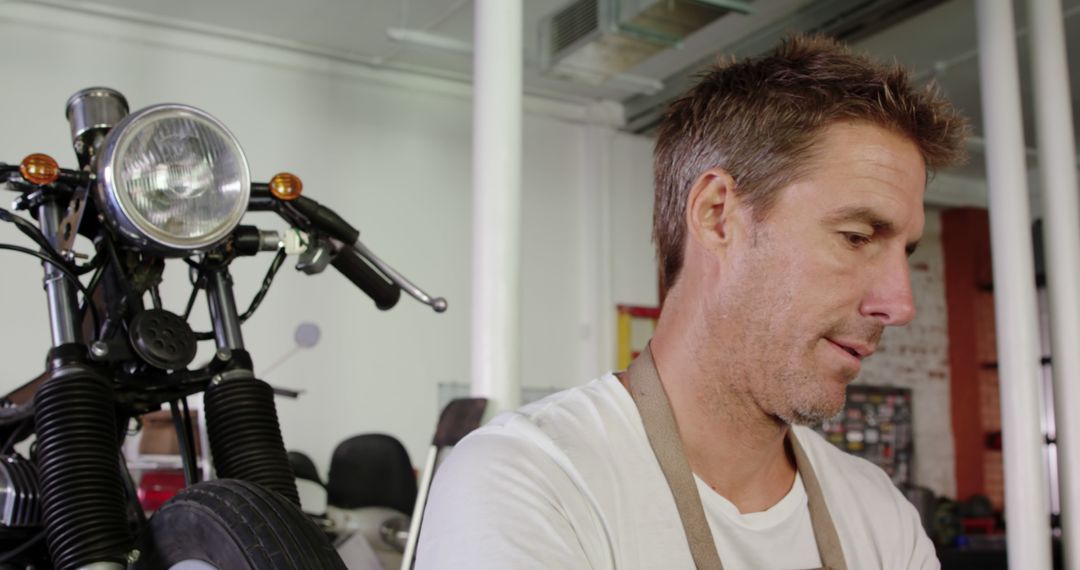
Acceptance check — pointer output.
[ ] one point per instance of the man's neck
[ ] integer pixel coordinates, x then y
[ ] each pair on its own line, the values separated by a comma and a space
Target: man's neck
730, 443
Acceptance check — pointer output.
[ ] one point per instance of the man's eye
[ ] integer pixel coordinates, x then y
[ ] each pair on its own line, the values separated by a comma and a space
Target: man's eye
855, 239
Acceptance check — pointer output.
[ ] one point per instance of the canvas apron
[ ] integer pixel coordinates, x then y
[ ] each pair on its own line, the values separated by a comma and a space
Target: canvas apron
655, 409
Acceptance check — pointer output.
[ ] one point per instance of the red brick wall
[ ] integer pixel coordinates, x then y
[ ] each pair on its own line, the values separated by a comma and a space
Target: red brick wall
975, 407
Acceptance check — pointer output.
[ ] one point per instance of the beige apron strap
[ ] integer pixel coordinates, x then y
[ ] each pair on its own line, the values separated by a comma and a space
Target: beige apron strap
652, 402
828, 541
659, 421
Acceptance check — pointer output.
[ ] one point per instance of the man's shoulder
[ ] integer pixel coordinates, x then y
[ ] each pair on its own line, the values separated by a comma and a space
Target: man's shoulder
586, 437
565, 419
529, 472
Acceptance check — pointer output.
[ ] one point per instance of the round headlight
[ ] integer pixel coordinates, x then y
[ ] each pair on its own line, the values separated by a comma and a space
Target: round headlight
173, 178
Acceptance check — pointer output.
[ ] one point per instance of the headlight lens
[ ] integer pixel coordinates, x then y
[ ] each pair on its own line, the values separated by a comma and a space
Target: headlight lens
174, 178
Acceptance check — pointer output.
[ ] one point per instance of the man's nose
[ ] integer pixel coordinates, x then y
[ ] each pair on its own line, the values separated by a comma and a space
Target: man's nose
889, 298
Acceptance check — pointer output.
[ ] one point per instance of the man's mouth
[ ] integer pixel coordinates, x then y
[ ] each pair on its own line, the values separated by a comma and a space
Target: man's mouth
855, 349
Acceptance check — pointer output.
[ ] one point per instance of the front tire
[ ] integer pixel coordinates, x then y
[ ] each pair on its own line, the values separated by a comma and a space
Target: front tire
234, 524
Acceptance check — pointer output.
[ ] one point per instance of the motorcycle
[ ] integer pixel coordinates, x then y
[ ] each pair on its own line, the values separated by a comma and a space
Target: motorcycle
165, 183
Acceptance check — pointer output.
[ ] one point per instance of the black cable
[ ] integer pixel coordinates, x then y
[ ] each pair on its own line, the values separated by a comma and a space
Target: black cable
191, 437
63, 271
275, 265
16, 435
132, 493
118, 267
155, 297
181, 436
268, 279
195, 286
30, 230
96, 277
11, 554
95, 280
191, 302
113, 259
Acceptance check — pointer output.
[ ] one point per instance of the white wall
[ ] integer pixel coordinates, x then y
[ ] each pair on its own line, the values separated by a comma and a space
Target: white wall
634, 272
391, 153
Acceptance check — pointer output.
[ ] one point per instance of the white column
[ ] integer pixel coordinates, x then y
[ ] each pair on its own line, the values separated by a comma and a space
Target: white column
1026, 503
597, 308
1061, 232
497, 110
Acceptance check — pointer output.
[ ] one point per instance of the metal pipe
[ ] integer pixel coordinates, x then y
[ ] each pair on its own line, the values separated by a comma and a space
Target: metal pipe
59, 292
418, 510
1026, 502
497, 110
223, 315
1057, 172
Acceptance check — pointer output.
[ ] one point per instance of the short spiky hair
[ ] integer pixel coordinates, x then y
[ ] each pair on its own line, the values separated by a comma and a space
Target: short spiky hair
759, 118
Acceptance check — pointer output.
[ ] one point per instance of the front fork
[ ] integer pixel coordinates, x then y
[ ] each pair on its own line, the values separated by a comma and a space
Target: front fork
241, 418
83, 506
59, 292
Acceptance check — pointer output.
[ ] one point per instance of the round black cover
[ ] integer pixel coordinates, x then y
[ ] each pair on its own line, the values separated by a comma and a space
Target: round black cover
162, 339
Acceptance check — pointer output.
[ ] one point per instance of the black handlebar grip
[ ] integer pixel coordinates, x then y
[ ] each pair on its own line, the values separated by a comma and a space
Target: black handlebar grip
351, 265
326, 220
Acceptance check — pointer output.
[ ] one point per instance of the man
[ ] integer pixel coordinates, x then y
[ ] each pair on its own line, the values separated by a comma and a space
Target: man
789, 193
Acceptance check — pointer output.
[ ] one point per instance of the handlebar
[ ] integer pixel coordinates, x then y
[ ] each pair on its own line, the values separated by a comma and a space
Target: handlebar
353, 259
349, 262
325, 219
11, 173
436, 303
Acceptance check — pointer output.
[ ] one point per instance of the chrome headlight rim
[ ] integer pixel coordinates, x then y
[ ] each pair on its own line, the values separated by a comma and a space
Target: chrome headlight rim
123, 213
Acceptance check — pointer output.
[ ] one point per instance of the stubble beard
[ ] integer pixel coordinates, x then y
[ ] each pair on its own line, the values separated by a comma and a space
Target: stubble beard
807, 398
792, 391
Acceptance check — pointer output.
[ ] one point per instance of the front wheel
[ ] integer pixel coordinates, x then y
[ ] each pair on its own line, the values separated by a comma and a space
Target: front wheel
234, 524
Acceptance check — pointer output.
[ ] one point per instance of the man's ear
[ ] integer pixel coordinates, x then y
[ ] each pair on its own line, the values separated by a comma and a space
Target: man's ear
712, 209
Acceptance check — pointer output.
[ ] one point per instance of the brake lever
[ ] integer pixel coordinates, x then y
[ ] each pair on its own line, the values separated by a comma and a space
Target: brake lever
309, 214
438, 303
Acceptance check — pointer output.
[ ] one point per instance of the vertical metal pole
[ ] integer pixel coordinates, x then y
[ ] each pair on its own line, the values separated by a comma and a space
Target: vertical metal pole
497, 109
222, 304
58, 290
1057, 171
1026, 503
597, 307
418, 510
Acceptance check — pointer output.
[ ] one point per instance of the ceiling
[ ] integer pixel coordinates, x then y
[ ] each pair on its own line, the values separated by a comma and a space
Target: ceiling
936, 38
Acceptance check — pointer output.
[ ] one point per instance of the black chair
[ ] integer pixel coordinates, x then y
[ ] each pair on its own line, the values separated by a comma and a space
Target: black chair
303, 467
371, 470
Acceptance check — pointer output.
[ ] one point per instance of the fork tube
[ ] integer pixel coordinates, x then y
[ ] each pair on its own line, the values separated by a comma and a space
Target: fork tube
223, 315
59, 291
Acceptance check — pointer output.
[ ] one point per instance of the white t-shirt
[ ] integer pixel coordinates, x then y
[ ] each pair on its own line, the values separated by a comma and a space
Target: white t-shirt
571, 482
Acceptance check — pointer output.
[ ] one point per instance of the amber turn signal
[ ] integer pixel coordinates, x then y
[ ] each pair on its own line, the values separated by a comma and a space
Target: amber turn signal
39, 169
286, 186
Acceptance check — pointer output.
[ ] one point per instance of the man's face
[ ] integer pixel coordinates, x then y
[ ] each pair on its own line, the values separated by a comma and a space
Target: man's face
812, 286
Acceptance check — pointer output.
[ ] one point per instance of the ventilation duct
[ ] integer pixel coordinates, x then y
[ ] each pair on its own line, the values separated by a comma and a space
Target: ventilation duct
594, 40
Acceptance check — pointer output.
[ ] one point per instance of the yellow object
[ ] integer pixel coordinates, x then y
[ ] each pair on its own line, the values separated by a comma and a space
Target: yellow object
39, 169
286, 186
631, 319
